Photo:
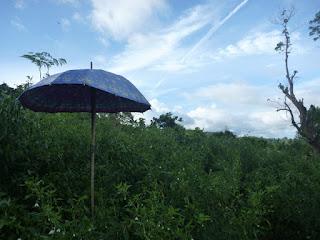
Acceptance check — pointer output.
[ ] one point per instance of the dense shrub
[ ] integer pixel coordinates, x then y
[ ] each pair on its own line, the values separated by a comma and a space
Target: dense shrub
151, 182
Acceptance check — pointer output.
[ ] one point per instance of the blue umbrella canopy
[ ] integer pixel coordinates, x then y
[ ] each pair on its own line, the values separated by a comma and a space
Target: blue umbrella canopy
71, 91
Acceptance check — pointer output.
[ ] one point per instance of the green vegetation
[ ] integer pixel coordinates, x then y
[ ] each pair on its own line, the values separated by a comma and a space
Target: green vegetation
43, 59
315, 27
152, 182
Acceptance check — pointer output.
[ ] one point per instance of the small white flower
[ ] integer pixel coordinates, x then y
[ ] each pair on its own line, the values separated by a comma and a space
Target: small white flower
136, 218
19, 239
58, 230
73, 235
36, 205
52, 231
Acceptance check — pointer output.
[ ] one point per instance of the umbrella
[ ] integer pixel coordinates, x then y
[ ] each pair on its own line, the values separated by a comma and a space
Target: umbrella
85, 90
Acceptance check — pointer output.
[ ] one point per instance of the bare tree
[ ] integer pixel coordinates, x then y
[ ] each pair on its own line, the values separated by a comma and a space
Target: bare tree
306, 121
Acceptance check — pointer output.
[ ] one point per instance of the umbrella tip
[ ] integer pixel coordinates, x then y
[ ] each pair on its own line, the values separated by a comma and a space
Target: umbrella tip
91, 65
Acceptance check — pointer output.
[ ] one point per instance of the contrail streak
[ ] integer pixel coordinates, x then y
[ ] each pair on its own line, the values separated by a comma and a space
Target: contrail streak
214, 29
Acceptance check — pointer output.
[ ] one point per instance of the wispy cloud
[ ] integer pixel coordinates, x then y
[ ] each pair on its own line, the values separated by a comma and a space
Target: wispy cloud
19, 4
160, 50
212, 30
185, 61
256, 44
144, 50
16, 22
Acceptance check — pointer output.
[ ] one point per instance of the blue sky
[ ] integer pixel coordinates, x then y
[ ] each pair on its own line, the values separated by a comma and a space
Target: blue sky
211, 62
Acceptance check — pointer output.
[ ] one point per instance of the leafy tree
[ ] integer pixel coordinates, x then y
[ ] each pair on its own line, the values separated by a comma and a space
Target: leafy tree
307, 122
166, 121
44, 60
5, 89
315, 27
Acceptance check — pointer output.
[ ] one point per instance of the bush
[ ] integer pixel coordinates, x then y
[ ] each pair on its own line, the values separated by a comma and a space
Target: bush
152, 182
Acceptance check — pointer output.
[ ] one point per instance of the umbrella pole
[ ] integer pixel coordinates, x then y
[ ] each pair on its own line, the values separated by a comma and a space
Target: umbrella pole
93, 146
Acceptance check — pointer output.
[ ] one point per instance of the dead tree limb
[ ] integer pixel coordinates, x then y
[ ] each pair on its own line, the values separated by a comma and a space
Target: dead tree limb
307, 127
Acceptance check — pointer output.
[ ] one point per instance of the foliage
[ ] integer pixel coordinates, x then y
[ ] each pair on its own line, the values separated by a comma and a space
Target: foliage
153, 182
44, 59
166, 121
315, 27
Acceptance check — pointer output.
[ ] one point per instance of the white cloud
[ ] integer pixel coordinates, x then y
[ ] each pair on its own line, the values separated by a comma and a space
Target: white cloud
267, 123
161, 50
144, 50
244, 108
240, 107
213, 29
16, 22
19, 4
211, 118
270, 118
256, 44
233, 93
270, 123
158, 106
122, 18
309, 91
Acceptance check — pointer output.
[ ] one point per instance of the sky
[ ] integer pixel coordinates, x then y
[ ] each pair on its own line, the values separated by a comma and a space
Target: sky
210, 62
